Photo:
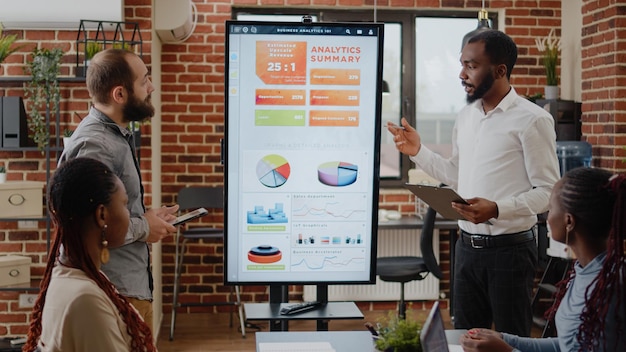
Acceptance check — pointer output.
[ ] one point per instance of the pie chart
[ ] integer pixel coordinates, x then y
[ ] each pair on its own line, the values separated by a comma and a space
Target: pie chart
337, 173
273, 170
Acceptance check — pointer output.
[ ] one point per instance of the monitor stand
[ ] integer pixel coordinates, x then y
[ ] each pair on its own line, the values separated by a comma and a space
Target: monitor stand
279, 297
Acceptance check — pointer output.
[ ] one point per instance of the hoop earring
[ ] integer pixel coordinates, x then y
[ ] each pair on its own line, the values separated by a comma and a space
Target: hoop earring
104, 253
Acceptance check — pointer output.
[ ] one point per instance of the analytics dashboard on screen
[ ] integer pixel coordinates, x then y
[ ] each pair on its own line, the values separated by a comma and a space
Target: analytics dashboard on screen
301, 151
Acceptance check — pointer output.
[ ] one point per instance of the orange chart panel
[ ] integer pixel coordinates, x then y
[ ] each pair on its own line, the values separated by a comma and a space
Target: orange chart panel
335, 76
334, 118
280, 62
334, 97
280, 96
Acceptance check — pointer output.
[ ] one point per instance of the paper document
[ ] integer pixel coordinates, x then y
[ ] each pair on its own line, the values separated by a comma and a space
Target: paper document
295, 347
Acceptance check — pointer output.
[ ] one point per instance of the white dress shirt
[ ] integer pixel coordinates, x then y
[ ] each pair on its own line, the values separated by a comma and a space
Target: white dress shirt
507, 156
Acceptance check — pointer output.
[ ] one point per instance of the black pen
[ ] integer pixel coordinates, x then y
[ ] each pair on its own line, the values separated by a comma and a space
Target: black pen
370, 327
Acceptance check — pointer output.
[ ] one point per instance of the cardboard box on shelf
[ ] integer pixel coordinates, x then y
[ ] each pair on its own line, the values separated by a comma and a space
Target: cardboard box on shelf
21, 199
14, 270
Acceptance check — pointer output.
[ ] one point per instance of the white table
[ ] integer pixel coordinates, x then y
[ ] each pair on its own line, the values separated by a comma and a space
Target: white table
341, 341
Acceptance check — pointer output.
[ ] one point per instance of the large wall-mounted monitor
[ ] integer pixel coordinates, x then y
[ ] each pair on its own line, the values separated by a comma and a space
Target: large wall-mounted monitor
301, 152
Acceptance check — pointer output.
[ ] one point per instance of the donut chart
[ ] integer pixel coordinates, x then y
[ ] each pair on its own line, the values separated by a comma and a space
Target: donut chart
337, 173
273, 170
264, 254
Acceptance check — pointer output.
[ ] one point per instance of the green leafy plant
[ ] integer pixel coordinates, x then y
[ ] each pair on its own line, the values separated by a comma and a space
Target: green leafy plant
6, 43
3, 168
68, 132
549, 48
122, 45
43, 92
399, 335
91, 49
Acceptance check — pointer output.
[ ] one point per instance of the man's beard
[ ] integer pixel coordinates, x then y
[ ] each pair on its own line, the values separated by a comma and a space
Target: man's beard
482, 89
137, 110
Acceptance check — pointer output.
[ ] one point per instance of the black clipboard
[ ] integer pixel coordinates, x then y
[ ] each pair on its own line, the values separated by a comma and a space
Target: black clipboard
439, 198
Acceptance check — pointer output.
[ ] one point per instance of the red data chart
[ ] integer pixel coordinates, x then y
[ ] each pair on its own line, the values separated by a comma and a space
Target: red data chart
281, 62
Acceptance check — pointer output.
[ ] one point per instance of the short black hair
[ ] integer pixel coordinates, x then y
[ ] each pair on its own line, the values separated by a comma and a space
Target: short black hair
500, 48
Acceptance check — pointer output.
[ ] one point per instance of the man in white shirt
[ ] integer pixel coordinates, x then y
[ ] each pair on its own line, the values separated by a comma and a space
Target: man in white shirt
504, 163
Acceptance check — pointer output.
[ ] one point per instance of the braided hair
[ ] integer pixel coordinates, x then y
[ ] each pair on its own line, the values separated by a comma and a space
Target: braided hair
597, 200
77, 188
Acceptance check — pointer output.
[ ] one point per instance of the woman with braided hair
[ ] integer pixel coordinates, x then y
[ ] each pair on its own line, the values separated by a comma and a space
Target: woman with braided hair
78, 308
588, 214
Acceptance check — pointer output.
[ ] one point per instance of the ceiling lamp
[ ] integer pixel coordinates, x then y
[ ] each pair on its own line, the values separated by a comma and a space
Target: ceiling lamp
483, 25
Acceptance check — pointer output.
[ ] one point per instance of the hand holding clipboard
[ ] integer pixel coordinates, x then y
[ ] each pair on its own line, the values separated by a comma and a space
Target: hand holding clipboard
440, 199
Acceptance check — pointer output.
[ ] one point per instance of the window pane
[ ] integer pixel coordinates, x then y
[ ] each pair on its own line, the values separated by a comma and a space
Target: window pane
392, 100
438, 91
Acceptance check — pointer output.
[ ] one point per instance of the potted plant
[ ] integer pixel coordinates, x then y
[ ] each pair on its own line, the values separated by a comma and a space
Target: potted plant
6, 43
549, 48
398, 335
43, 92
3, 172
67, 133
91, 49
122, 45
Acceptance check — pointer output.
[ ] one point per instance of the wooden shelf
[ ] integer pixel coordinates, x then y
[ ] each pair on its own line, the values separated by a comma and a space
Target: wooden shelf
33, 286
22, 79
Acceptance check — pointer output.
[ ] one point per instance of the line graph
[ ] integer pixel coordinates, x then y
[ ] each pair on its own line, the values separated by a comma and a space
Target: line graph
332, 263
336, 207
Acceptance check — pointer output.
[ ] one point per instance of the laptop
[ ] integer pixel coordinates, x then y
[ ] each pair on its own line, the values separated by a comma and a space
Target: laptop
433, 335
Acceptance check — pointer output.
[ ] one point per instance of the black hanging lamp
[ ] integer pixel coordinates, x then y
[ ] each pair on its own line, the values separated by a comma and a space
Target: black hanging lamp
483, 25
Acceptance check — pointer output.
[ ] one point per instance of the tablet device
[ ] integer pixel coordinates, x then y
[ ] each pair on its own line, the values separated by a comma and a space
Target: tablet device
190, 216
433, 335
439, 198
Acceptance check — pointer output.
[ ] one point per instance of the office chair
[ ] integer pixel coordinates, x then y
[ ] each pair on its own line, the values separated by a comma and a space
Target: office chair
190, 198
403, 269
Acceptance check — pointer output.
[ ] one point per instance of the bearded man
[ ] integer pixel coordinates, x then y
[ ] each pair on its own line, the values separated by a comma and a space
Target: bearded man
120, 88
504, 164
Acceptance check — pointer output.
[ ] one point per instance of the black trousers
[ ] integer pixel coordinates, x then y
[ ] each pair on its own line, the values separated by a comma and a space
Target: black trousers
494, 286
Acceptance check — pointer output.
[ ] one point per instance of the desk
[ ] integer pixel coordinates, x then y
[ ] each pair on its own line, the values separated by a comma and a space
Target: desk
332, 310
453, 336
342, 341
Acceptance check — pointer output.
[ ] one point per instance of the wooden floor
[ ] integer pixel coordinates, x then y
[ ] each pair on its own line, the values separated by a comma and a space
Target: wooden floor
210, 332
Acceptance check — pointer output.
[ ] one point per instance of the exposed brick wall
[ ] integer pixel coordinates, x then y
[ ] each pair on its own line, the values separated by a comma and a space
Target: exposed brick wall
604, 82
193, 112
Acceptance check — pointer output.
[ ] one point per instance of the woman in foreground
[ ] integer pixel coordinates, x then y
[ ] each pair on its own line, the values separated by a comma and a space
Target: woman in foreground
78, 309
588, 214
